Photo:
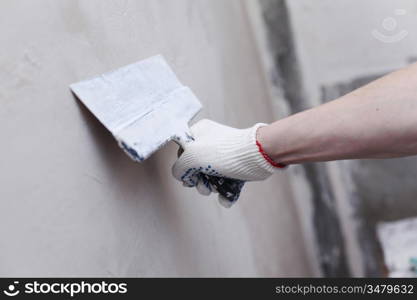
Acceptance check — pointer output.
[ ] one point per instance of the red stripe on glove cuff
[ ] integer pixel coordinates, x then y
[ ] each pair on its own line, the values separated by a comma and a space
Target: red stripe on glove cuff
268, 159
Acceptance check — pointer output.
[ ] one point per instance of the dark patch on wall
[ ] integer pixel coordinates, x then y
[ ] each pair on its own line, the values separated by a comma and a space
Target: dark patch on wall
331, 92
326, 222
412, 59
287, 76
387, 187
365, 176
372, 253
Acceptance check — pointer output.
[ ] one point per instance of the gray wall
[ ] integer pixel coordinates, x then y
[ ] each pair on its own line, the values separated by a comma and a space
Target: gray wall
337, 52
73, 204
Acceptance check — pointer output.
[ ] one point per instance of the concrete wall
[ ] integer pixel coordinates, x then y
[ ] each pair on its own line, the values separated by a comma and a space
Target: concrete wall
311, 182
73, 204
337, 51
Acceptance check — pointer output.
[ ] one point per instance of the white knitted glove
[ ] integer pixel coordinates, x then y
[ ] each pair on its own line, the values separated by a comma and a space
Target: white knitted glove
221, 151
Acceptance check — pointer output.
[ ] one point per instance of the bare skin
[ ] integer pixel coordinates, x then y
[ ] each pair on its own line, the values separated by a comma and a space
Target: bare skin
378, 120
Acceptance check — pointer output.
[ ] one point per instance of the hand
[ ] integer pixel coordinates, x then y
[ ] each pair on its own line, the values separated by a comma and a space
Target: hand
221, 151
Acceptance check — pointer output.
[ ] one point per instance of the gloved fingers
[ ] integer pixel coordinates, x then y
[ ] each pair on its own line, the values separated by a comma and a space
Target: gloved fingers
182, 170
229, 191
203, 187
191, 180
213, 188
189, 177
225, 202
207, 179
186, 184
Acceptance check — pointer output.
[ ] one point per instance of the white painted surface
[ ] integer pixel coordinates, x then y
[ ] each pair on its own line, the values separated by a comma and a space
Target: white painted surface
72, 203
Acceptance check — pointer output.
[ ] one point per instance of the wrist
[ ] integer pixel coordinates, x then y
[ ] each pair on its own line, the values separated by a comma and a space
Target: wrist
265, 146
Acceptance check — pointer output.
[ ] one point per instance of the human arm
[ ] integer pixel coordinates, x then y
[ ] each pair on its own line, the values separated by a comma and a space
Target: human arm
378, 120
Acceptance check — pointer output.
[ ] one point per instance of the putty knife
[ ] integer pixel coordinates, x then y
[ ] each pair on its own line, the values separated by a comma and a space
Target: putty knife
144, 106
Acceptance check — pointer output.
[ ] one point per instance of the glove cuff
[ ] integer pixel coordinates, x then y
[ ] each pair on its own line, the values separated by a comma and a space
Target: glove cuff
264, 154
250, 159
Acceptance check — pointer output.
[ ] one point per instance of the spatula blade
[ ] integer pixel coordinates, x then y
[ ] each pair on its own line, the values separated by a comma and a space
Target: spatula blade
143, 105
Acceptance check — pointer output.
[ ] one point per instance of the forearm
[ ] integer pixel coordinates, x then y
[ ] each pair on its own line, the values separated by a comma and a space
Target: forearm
375, 121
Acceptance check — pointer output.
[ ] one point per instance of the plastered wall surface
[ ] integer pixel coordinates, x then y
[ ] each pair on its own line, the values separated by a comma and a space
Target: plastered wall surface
338, 52
73, 204
335, 42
